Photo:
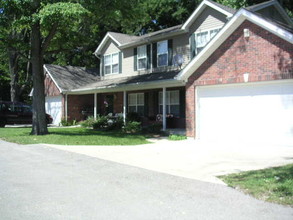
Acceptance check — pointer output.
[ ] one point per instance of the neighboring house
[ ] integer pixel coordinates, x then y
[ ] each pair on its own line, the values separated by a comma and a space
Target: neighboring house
222, 74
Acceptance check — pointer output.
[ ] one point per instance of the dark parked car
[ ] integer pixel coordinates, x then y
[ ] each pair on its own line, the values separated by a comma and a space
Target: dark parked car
17, 113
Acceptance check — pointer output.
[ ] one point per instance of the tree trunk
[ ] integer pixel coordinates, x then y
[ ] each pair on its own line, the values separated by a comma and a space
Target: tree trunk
13, 69
39, 114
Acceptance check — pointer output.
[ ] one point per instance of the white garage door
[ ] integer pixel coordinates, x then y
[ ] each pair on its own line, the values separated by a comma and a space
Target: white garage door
54, 108
260, 112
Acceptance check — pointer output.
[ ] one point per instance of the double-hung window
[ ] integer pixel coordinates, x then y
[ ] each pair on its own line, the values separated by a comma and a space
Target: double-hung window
172, 103
142, 57
111, 63
203, 38
162, 53
136, 103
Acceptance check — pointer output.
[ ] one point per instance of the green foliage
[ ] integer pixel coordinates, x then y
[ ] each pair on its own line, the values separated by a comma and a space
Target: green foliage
65, 122
154, 128
177, 137
272, 184
88, 123
72, 136
101, 122
132, 127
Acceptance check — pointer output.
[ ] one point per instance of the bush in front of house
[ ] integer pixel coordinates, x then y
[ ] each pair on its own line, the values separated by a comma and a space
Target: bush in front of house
88, 123
154, 128
101, 122
65, 122
116, 124
132, 127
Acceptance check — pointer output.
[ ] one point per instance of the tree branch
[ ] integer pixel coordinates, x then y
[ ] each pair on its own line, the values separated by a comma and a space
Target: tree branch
48, 39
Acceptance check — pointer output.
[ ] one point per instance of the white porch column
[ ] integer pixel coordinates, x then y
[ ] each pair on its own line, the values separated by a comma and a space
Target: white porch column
124, 106
164, 109
66, 107
95, 106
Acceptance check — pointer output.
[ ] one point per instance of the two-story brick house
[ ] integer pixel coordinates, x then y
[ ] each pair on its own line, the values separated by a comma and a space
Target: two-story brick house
184, 75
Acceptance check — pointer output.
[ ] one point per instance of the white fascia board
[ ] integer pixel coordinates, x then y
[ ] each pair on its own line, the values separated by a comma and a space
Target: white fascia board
225, 32
104, 41
198, 11
279, 8
131, 87
47, 71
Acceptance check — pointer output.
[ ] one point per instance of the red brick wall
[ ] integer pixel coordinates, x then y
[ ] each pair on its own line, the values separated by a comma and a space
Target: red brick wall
77, 103
263, 55
50, 87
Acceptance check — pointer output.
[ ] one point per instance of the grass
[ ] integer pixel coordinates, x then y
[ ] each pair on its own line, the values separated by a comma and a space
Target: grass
71, 136
177, 137
272, 185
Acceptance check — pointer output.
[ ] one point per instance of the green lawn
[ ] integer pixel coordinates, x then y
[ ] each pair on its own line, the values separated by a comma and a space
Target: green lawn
71, 136
272, 185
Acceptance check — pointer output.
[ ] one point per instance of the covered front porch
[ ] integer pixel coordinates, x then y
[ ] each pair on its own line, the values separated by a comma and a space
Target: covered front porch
165, 105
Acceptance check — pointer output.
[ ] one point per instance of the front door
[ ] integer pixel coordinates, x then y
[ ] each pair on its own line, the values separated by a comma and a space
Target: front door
109, 108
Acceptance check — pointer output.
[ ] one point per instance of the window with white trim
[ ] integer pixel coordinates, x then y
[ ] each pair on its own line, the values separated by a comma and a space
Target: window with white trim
172, 103
111, 63
142, 57
202, 38
136, 103
162, 53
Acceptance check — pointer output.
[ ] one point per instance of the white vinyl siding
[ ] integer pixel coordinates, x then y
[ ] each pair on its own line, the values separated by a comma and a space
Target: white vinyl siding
162, 53
111, 63
141, 57
136, 103
172, 103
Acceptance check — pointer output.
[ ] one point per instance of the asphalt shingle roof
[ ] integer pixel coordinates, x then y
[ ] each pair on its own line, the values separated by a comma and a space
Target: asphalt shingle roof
70, 77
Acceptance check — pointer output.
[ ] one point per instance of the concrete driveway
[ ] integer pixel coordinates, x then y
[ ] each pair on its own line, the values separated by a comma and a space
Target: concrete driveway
192, 158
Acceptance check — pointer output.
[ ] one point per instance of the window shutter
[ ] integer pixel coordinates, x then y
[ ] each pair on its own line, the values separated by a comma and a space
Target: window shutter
170, 52
102, 65
154, 55
120, 62
182, 103
146, 104
148, 56
192, 45
135, 59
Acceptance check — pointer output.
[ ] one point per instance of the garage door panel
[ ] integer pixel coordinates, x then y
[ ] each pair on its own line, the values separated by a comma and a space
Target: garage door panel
255, 112
54, 108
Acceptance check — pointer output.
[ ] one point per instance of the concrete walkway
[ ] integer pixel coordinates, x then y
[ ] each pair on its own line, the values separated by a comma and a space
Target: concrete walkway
191, 158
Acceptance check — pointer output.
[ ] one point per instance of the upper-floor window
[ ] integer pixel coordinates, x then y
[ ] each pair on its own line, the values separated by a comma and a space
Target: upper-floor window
203, 38
111, 63
162, 53
142, 57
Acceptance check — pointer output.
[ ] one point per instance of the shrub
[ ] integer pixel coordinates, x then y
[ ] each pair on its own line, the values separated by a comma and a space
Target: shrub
116, 124
100, 123
154, 128
88, 122
132, 127
65, 122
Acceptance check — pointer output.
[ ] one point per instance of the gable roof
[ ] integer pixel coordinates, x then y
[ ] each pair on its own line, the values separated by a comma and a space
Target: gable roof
276, 5
69, 77
125, 40
227, 30
203, 5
